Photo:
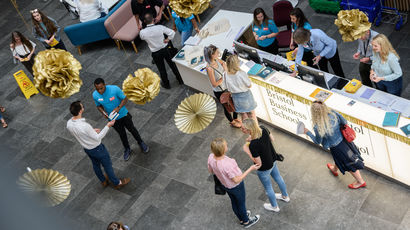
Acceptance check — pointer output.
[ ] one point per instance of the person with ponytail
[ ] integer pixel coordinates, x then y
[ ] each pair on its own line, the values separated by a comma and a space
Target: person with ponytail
326, 125
216, 69
46, 30
23, 50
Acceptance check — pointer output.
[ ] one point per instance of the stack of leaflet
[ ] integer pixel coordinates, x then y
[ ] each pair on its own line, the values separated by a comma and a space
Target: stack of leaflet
391, 119
260, 71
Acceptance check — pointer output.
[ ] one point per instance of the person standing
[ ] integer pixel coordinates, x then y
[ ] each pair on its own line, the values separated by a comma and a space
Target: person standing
261, 151
238, 83
324, 47
184, 26
385, 70
46, 30
326, 125
90, 139
109, 99
215, 70
158, 44
23, 50
90, 9
231, 177
265, 31
142, 7
298, 19
365, 54
3, 122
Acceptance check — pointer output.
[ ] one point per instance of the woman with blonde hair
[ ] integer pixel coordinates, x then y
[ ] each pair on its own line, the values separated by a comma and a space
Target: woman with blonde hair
326, 125
386, 71
90, 9
261, 151
231, 177
46, 30
215, 70
238, 83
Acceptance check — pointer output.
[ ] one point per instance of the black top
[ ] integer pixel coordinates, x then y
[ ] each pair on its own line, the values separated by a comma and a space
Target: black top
263, 148
147, 6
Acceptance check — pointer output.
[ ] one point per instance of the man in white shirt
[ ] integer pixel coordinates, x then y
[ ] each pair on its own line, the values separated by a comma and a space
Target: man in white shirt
158, 44
90, 139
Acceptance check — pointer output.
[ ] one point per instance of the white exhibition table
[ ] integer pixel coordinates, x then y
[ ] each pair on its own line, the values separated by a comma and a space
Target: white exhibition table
283, 104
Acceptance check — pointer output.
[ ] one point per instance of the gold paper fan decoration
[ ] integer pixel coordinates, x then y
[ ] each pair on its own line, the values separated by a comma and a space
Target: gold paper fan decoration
57, 73
185, 8
50, 186
142, 88
195, 113
352, 24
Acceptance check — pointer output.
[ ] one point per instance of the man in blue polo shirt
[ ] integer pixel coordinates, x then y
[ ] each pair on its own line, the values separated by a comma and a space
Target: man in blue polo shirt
109, 98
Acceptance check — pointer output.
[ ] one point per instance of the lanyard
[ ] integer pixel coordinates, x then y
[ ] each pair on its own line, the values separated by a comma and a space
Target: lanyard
367, 45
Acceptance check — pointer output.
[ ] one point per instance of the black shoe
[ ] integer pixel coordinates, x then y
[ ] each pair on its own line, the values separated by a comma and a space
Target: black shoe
127, 153
144, 148
166, 86
251, 221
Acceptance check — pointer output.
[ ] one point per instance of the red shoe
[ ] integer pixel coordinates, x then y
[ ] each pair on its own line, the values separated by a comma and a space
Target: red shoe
329, 167
351, 186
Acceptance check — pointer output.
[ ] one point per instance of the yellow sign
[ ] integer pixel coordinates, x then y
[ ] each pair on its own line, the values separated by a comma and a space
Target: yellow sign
26, 86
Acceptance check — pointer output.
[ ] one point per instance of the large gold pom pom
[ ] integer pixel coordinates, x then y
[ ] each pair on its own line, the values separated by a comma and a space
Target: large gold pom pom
185, 8
57, 73
352, 24
142, 88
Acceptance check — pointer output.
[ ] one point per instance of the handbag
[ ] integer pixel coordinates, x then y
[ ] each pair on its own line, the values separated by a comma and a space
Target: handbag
348, 133
219, 189
226, 97
276, 156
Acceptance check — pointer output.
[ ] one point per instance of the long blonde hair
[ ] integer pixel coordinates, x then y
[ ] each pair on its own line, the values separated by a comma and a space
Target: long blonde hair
321, 119
251, 125
385, 47
232, 63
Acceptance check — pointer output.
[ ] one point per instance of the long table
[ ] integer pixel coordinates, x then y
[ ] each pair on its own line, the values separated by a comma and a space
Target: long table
284, 103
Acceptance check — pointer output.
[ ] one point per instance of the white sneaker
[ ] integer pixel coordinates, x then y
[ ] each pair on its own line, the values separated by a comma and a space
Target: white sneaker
280, 197
269, 207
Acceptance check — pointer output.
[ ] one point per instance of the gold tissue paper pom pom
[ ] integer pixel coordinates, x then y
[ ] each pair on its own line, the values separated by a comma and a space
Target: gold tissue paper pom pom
50, 186
57, 73
195, 113
142, 88
352, 24
184, 8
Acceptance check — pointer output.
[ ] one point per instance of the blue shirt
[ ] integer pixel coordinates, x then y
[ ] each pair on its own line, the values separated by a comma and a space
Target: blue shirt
263, 30
320, 44
185, 25
390, 69
306, 25
330, 141
111, 99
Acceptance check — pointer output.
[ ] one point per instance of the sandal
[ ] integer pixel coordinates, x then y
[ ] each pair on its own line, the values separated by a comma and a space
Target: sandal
329, 167
236, 124
5, 125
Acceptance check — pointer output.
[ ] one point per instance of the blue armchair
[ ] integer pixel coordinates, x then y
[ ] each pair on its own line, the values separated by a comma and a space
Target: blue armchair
91, 31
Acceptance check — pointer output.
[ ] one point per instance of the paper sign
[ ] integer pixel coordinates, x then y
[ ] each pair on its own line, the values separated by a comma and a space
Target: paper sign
26, 86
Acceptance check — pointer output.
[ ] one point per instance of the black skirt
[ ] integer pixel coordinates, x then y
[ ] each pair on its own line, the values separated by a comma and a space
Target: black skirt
347, 157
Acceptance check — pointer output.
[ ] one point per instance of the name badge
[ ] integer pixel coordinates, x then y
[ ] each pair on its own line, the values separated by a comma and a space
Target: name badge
100, 99
266, 28
256, 29
112, 98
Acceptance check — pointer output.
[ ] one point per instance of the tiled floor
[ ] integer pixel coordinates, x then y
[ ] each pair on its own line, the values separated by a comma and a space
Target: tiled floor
170, 187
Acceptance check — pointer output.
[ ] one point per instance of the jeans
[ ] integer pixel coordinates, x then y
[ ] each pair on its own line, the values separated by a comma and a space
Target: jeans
100, 156
364, 70
227, 114
159, 57
334, 62
238, 201
393, 87
126, 122
185, 35
264, 177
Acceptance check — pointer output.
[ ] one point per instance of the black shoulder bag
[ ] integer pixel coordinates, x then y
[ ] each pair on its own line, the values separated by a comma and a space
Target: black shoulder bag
276, 156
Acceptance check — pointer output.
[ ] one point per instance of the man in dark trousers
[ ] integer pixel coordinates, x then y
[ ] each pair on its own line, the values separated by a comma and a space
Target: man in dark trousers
142, 7
110, 99
158, 44
90, 139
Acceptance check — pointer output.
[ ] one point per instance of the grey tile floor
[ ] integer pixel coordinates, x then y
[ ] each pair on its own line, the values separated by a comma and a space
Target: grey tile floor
170, 187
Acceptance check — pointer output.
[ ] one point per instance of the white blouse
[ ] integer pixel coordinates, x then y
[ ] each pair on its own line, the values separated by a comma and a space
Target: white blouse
89, 11
22, 50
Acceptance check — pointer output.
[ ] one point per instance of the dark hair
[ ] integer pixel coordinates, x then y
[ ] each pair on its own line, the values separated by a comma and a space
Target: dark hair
99, 81
208, 52
24, 40
75, 108
148, 18
301, 35
300, 17
265, 17
51, 28
115, 226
